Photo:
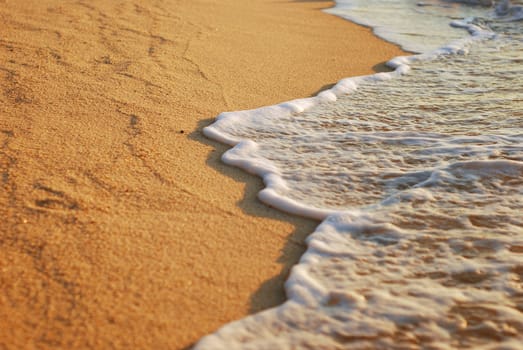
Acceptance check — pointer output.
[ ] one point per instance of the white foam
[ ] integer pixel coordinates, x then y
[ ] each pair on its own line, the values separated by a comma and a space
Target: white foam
422, 238
243, 154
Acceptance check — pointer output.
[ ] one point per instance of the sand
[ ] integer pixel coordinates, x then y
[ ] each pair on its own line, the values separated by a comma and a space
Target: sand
119, 226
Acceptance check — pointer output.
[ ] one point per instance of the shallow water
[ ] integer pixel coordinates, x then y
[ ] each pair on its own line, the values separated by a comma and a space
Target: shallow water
415, 25
419, 177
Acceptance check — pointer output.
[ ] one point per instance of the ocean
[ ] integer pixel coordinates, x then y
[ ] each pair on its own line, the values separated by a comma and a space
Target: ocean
417, 176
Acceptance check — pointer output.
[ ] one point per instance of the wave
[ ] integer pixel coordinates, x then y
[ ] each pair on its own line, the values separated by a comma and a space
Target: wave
417, 175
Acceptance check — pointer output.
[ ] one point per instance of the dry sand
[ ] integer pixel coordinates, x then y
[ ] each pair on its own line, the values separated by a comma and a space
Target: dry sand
119, 226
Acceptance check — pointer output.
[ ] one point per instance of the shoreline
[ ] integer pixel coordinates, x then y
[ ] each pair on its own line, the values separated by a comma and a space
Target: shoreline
123, 227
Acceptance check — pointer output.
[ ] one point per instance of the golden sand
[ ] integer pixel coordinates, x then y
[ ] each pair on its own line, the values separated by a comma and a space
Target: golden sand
119, 225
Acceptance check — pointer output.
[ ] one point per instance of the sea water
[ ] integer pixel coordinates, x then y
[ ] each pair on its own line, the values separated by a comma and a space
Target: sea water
417, 175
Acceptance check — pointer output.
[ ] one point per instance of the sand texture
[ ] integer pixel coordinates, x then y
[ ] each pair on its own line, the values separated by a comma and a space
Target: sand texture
119, 226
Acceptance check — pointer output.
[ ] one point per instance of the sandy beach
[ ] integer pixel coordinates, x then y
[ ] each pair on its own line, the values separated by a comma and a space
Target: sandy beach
119, 226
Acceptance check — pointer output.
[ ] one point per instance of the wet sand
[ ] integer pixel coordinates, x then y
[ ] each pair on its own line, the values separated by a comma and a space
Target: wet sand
119, 225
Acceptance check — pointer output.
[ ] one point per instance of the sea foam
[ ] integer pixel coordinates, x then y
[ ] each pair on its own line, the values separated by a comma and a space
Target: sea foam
417, 175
